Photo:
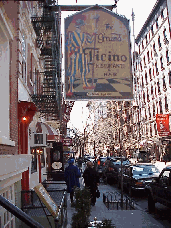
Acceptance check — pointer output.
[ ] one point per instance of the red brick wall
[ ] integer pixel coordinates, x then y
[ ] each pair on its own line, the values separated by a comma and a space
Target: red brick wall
13, 82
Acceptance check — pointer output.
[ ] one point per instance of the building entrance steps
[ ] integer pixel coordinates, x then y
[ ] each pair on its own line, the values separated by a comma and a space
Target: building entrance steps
120, 218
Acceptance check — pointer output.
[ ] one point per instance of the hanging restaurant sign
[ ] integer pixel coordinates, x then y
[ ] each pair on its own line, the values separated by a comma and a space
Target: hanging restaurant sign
97, 55
163, 124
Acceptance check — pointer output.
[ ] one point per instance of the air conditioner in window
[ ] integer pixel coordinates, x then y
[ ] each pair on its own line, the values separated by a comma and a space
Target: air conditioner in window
38, 139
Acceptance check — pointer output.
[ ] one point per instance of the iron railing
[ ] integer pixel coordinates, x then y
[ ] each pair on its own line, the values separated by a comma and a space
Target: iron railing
33, 206
19, 213
112, 200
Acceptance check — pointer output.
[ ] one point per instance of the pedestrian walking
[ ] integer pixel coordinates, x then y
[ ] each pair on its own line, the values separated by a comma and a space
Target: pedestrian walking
91, 180
72, 175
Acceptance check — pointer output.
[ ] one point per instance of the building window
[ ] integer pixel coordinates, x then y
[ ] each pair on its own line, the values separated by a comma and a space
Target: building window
154, 48
23, 49
154, 110
34, 161
161, 62
169, 78
162, 14
160, 104
150, 73
146, 77
151, 90
146, 39
167, 56
157, 25
159, 42
164, 83
142, 45
42, 159
166, 104
158, 85
152, 32
144, 61
156, 68
7, 219
148, 56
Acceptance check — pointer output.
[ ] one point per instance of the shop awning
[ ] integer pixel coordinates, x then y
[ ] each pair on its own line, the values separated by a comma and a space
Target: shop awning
52, 134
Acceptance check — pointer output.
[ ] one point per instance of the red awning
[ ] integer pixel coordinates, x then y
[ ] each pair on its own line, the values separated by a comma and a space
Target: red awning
52, 134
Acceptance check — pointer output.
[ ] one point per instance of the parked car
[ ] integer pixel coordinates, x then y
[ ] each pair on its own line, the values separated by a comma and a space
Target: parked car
136, 177
99, 165
111, 169
159, 190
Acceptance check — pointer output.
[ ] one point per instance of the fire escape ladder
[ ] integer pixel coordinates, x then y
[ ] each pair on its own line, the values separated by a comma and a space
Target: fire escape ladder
48, 40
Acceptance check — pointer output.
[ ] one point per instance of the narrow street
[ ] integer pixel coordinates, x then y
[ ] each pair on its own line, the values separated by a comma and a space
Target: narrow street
162, 214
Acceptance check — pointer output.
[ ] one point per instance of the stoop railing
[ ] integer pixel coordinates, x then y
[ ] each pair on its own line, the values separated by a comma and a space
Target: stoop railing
34, 207
112, 200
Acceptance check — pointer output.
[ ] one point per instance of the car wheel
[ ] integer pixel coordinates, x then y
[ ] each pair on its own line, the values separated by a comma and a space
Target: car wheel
151, 203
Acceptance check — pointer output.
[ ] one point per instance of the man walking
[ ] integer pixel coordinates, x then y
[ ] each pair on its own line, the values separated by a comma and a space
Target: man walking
72, 175
91, 180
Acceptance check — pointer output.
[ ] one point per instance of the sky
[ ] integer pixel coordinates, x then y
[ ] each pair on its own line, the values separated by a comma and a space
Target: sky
141, 10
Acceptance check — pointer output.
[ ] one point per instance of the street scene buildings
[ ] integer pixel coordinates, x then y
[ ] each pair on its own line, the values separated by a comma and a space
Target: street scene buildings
34, 112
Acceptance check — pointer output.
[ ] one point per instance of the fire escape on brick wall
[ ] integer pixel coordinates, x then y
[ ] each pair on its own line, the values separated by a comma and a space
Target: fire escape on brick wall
47, 29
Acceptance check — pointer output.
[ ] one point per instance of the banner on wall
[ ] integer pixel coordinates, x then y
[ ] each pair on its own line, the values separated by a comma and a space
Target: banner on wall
162, 121
97, 56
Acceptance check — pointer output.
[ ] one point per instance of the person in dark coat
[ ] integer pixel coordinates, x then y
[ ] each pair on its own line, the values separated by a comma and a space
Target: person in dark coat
72, 175
91, 180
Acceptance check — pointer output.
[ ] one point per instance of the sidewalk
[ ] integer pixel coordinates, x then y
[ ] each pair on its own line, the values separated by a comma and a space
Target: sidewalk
121, 219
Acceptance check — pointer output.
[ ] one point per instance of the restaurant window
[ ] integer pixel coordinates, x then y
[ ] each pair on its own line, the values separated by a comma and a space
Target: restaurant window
34, 161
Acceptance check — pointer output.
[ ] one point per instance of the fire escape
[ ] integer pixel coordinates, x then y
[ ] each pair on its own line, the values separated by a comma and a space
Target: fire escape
47, 28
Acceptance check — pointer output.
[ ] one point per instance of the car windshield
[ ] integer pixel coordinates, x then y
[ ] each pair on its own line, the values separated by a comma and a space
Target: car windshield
118, 162
145, 170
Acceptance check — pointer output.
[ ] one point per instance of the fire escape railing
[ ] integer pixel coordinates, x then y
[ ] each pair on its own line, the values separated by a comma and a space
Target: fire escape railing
48, 40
